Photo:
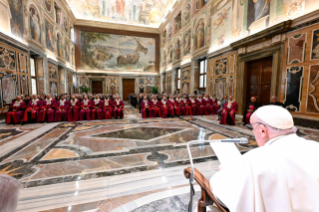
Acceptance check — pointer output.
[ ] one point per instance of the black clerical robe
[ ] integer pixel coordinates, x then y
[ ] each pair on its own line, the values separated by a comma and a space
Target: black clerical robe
277, 103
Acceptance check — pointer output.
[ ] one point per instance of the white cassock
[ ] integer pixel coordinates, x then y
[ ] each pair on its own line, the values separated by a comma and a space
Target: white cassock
281, 176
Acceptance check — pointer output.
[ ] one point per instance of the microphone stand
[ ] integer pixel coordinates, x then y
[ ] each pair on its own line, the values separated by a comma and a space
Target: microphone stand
191, 178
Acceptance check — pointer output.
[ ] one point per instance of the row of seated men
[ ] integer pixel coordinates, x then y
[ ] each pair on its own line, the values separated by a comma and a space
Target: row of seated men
170, 106
53, 109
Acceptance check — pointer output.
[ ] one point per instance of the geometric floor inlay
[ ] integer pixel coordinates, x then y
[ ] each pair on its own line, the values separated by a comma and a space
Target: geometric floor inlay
140, 133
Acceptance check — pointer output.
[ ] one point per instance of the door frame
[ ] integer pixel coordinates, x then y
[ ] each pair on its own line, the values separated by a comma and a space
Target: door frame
276, 52
97, 79
121, 85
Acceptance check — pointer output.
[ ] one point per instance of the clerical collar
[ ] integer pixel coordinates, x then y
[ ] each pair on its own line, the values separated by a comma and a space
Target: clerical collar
273, 140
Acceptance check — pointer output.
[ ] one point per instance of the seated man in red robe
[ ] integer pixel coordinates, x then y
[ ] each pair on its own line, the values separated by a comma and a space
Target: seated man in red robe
187, 106
145, 108
107, 108
208, 104
74, 109
155, 107
215, 106
229, 112
15, 114
96, 108
173, 109
201, 110
118, 110
47, 111
85, 109
193, 104
62, 107
32, 111
164, 107
180, 104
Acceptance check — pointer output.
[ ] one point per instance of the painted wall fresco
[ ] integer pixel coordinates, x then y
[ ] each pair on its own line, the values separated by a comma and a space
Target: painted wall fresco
100, 51
49, 36
226, 21
17, 22
137, 12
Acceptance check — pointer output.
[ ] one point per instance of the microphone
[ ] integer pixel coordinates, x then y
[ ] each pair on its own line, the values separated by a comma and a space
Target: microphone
235, 140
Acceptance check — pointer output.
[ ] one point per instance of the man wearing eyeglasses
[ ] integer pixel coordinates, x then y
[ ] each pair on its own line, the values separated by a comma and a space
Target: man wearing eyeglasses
281, 175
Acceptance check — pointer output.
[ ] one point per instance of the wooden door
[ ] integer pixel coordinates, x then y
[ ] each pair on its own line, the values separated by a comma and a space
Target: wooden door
259, 80
97, 87
128, 87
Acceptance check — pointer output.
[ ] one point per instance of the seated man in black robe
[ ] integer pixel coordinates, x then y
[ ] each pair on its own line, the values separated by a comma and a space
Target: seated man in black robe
274, 101
250, 108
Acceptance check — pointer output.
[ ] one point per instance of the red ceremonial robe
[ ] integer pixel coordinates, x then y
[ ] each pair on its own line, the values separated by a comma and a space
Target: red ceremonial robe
15, 113
47, 108
85, 110
181, 106
174, 110
188, 107
62, 110
215, 106
32, 110
155, 109
74, 110
145, 109
194, 106
228, 113
96, 107
201, 110
209, 105
164, 108
118, 110
107, 109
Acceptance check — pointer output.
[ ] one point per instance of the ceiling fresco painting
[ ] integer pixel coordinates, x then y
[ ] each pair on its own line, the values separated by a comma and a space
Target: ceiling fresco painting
134, 12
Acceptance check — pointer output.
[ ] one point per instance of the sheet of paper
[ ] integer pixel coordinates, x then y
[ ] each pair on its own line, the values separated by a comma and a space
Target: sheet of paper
226, 153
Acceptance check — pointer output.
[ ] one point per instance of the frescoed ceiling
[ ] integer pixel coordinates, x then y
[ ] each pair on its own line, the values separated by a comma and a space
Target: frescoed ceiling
134, 12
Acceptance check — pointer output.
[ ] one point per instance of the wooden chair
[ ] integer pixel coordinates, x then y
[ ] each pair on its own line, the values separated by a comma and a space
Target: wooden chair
207, 198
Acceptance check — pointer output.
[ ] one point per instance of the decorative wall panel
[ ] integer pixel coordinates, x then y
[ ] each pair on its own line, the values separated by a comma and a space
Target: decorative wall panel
220, 87
221, 66
313, 95
294, 80
53, 80
315, 45
185, 80
296, 48
7, 59
9, 88
24, 85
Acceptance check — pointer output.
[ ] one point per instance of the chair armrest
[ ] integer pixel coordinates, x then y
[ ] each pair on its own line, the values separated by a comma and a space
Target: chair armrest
207, 197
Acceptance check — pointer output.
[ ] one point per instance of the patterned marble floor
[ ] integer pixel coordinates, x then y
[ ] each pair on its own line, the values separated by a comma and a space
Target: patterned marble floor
103, 165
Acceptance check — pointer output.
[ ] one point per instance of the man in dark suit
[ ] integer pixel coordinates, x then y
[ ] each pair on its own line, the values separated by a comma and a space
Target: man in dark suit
250, 108
274, 101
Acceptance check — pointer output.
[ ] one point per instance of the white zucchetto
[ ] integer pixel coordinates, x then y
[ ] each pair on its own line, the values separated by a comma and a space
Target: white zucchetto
275, 116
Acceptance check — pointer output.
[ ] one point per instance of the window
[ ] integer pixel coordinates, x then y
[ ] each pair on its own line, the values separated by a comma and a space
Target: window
178, 79
72, 34
202, 74
33, 76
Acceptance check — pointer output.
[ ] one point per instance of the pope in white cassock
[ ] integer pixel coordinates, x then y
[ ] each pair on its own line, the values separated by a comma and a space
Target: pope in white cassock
282, 175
